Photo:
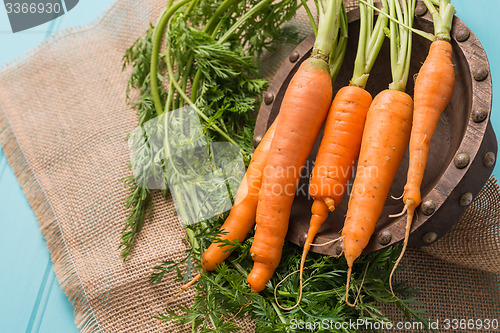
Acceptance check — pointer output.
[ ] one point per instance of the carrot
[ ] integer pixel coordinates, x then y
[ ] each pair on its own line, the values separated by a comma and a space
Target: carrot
303, 111
340, 145
334, 163
385, 138
302, 114
242, 216
339, 148
433, 91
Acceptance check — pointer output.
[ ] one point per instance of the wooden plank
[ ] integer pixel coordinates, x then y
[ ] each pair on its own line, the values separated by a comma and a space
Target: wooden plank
480, 17
38, 311
24, 258
58, 315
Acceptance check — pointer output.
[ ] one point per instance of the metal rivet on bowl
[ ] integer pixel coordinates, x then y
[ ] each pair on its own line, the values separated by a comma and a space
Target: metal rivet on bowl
429, 237
385, 237
479, 115
294, 56
421, 9
462, 34
462, 160
257, 140
489, 159
480, 73
339, 249
302, 239
428, 207
268, 98
466, 199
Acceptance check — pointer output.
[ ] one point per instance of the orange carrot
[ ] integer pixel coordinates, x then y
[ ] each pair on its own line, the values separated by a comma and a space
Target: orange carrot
242, 215
341, 141
385, 138
340, 145
302, 114
433, 91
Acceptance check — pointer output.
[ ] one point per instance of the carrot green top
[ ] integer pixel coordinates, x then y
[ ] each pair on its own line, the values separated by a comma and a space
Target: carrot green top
328, 27
442, 19
331, 33
370, 42
401, 40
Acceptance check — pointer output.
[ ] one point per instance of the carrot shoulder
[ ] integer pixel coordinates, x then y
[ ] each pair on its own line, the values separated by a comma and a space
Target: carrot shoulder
242, 215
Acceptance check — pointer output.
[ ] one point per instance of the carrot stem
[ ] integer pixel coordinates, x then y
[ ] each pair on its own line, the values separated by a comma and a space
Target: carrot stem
278, 312
339, 48
443, 19
421, 33
215, 17
369, 44
328, 28
401, 43
239, 268
243, 19
359, 62
224, 38
170, 71
310, 16
157, 36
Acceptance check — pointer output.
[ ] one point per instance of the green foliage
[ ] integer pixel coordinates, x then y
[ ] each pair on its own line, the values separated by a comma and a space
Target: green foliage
224, 295
223, 75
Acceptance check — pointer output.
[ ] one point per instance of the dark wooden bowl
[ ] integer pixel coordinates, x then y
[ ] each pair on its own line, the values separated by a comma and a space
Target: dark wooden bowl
462, 152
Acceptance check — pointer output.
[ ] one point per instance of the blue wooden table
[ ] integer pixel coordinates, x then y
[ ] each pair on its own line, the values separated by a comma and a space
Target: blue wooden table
30, 297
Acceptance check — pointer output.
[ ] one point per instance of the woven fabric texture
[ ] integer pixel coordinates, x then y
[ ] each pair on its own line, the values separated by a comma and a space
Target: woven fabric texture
63, 123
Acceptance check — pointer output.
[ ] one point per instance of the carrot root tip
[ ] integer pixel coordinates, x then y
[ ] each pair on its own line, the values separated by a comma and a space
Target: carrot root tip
360, 286
300, 292
402, 212
330, 203
184, 288
347, 286
411, 210
400, 197
329, 242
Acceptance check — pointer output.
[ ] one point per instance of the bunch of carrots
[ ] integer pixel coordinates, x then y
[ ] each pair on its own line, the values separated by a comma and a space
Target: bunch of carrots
375, 132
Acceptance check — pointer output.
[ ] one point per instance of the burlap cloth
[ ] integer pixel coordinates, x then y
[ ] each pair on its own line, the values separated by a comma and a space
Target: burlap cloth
63, 122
